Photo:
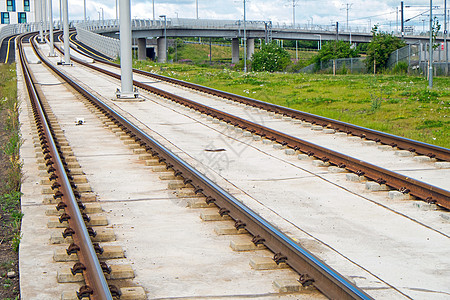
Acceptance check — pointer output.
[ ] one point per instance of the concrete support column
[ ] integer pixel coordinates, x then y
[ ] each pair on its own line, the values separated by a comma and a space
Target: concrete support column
235, 51
66, 32
250, 48
162, 50
126, 63
142, 48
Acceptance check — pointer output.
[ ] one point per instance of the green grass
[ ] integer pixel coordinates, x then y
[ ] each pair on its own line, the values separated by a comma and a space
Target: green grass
10, 165
199, 54
397, 104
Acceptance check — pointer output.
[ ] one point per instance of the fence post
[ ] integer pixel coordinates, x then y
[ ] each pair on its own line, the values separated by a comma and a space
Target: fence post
409, 56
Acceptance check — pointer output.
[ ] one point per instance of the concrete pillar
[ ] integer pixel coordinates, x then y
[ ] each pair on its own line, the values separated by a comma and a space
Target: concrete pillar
250, 48
235, 51
126, 58
162, 58
142, 48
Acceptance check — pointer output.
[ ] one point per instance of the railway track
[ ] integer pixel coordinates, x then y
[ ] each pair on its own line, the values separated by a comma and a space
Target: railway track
286, 250
429, 150
402, 183
311, 269
63, 184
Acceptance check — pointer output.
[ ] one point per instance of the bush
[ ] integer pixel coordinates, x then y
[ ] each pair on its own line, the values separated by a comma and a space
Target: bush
379, 49
270, 58
400, 68
333, 50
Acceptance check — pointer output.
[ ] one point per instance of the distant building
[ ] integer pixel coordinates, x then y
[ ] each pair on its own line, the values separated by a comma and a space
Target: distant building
17, 11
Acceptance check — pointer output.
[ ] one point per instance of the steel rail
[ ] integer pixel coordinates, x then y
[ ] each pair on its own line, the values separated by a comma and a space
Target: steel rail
311, 269
405, 184
93, 273
422, 148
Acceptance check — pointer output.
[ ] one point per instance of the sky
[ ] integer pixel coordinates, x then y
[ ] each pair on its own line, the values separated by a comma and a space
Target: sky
361, 13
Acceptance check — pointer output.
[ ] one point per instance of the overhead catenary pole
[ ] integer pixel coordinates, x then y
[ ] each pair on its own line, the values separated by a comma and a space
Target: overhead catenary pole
39, 13
50, 14
126, 75
60, 15
430, 62
402, 20
66, 32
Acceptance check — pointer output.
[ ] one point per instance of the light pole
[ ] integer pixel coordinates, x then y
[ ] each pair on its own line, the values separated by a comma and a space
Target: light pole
103, 16
165, 34
293, 13
445, 36
319, 45
430, 69
245, 41
98, 16
196, 8
153, 2
84, 10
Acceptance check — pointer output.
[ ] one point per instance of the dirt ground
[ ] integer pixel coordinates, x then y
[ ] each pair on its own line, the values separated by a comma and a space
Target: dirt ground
9, 259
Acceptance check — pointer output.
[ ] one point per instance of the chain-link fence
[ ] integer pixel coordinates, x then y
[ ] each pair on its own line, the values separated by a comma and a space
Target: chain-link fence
340, 66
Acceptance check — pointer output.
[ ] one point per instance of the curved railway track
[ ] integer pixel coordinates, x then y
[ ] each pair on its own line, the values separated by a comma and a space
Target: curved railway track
311, 269
432, 151
402, 183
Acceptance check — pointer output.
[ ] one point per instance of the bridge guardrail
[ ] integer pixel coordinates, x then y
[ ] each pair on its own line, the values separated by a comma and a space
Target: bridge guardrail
105, 45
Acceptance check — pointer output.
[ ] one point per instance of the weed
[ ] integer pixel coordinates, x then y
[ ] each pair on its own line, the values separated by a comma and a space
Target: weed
425, 95
430, 124
15, 242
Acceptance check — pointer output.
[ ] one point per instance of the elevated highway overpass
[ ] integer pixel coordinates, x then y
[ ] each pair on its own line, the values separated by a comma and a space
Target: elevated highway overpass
229, 29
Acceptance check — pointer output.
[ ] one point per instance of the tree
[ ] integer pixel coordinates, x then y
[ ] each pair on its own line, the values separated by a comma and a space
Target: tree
379, 49
270, 58
333, 50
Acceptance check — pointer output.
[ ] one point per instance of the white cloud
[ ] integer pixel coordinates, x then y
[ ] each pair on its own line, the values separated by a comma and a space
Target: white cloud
362, 13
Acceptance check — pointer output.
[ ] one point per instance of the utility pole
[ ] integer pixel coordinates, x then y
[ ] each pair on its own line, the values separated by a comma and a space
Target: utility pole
430, 69
348, 6
402, 20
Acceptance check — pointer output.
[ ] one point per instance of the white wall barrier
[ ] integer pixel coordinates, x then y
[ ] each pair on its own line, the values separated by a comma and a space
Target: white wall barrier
105, 45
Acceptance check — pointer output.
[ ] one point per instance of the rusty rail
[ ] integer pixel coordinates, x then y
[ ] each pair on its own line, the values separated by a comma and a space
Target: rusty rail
96, 286
432, 151
311, 269
405, 184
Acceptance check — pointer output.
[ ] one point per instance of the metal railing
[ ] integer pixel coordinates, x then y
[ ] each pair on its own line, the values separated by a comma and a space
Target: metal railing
11, 29
103, 44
